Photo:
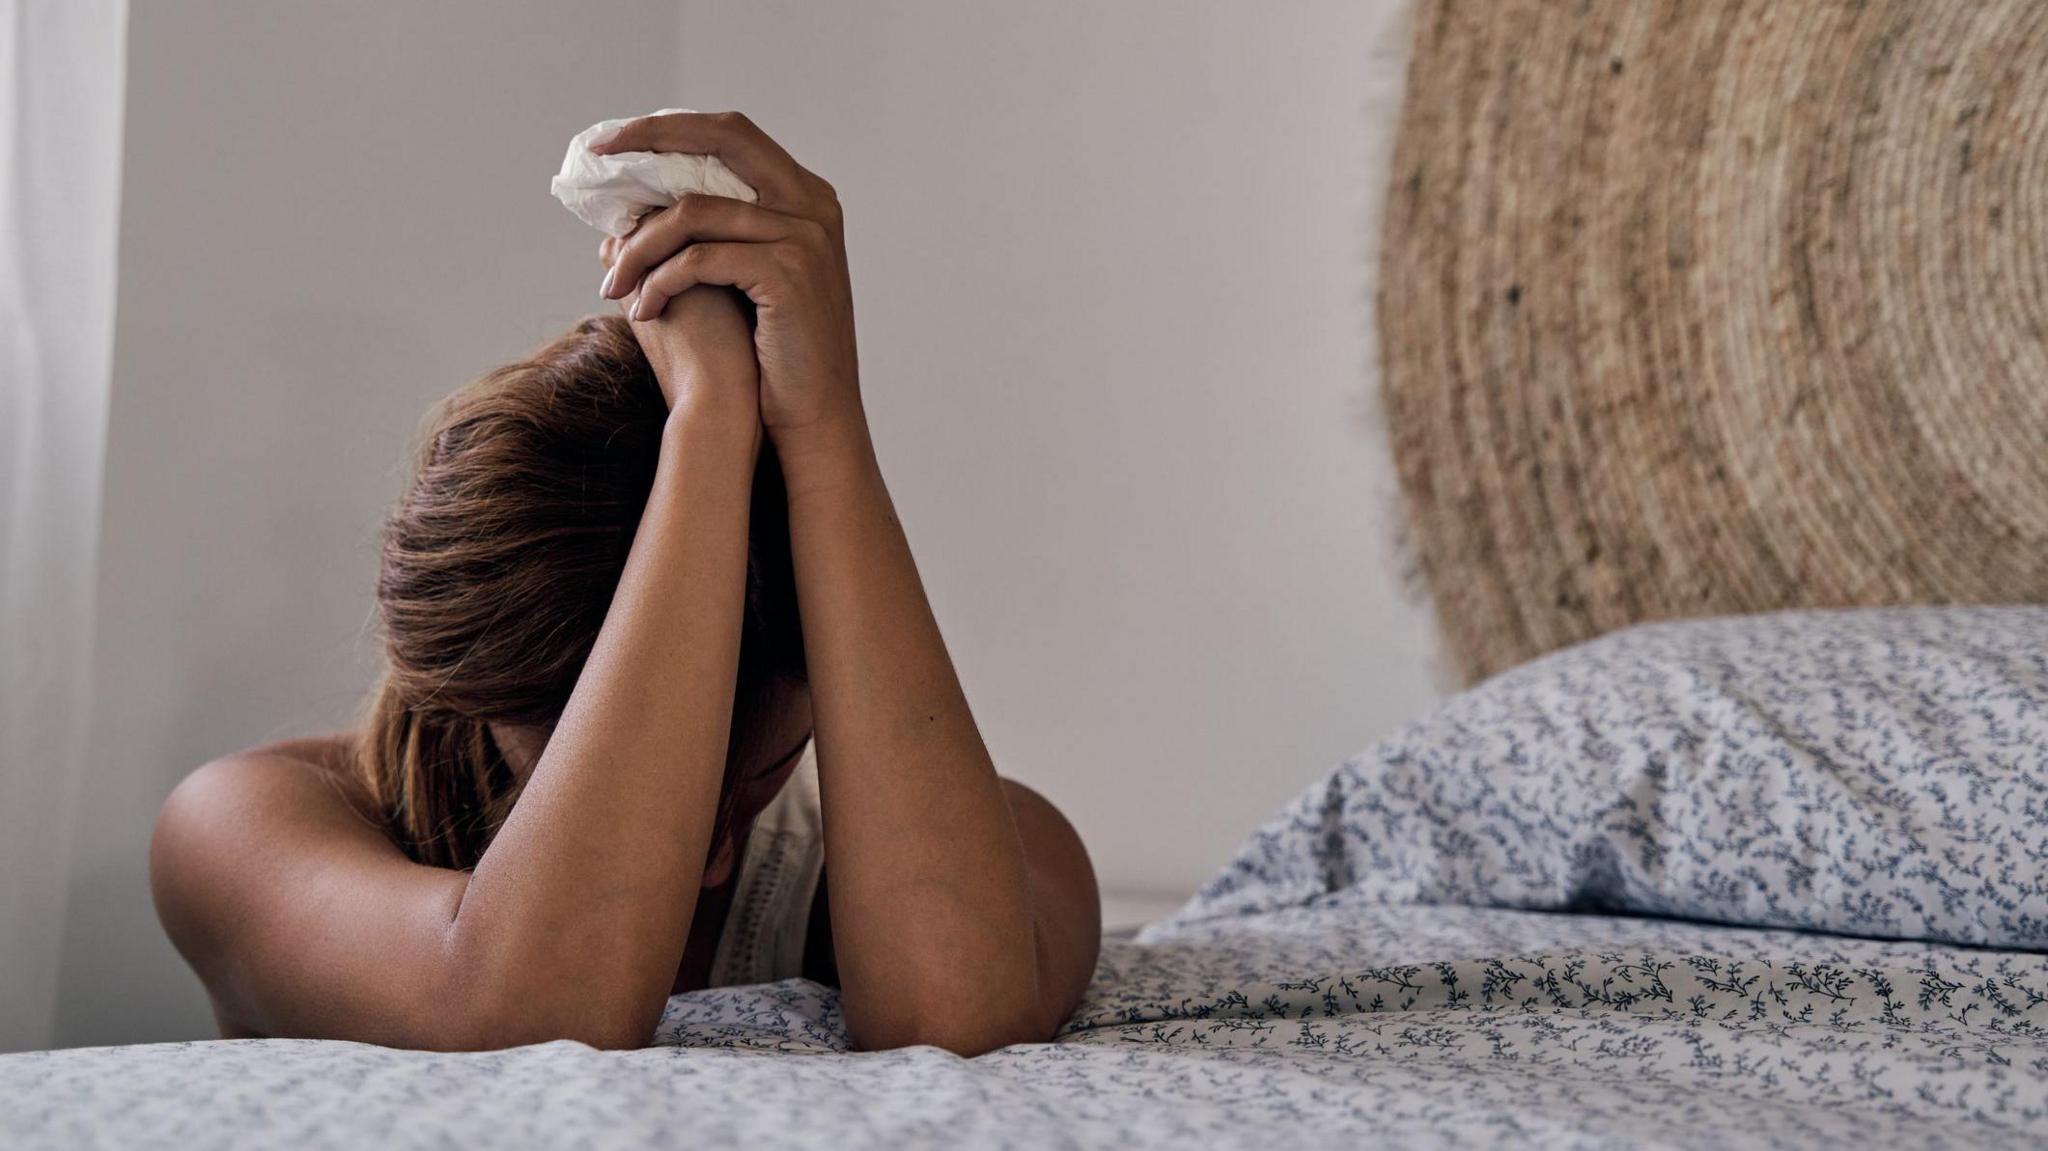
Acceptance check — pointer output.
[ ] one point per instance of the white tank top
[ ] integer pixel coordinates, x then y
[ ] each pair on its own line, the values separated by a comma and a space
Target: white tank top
765, 928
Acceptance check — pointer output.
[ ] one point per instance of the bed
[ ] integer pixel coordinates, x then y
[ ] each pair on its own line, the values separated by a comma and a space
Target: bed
1766, 881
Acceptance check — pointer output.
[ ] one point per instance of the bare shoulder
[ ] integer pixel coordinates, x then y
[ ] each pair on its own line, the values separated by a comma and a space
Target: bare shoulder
233, 818
305, 777
292, 904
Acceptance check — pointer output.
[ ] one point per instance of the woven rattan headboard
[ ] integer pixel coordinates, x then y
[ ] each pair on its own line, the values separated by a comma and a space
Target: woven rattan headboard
1704, 308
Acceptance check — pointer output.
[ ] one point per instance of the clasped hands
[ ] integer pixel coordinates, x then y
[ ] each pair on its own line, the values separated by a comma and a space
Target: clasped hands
786, 254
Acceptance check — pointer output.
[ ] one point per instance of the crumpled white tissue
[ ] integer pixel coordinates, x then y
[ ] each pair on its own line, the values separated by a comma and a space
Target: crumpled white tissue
610, 192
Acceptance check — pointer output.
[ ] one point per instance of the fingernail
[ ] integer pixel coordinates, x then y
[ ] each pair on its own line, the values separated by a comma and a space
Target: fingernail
603, 138
640, 306
604, 290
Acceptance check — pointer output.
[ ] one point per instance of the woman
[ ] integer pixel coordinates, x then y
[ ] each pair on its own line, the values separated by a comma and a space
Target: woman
599, 684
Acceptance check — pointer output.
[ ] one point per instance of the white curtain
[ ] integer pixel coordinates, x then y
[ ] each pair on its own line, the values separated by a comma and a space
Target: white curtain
62, 69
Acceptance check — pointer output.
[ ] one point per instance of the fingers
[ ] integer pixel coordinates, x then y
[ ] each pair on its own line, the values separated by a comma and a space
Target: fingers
608, 249
783, 184
692, 220
748, 267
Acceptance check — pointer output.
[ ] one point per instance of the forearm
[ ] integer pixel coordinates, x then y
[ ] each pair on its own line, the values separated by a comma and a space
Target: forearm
574, 920
935, 924
931, 913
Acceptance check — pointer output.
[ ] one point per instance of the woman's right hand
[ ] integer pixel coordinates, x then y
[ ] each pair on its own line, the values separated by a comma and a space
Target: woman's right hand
701, 348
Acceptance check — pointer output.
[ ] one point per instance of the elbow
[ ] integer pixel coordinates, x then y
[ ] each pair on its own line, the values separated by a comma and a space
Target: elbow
618, 1032
624, 1030
964, 1031
629, 1035
490, 1014
525, 1024
494, 993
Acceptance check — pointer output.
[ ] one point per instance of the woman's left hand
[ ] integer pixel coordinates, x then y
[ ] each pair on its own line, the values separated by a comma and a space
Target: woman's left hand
787, 253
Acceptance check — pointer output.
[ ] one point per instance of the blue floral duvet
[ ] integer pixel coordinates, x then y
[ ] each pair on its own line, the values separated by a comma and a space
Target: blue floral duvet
1764, 882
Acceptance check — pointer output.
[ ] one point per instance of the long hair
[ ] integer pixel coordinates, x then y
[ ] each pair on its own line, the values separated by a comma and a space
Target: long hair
498, 567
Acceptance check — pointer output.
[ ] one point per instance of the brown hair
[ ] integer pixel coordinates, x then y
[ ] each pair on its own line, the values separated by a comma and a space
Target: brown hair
499, 564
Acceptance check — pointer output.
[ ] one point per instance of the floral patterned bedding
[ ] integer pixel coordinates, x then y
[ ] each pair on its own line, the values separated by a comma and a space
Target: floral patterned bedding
1491, 929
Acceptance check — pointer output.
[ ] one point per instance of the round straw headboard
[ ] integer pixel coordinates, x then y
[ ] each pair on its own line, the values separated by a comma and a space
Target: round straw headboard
1701, 308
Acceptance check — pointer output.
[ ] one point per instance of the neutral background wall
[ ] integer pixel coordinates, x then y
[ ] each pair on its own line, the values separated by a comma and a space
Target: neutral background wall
332, 214
1111, 263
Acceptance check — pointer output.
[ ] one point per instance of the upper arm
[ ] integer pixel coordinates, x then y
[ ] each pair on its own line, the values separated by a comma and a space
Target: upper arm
1066, 908
299, 915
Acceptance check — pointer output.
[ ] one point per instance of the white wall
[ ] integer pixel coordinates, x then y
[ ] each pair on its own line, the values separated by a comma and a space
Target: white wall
1111, 264
1112, 272
332, 214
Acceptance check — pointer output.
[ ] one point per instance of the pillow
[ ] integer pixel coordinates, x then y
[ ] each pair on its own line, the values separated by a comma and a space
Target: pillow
1879, 772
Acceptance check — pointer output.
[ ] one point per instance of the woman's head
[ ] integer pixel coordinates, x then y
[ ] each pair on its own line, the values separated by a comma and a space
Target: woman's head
499, 565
